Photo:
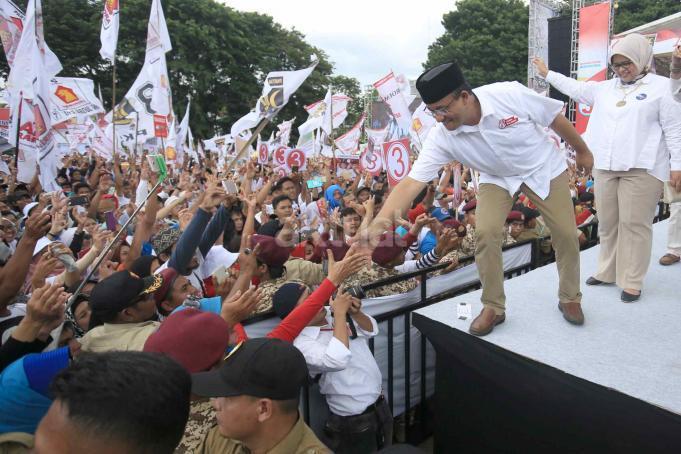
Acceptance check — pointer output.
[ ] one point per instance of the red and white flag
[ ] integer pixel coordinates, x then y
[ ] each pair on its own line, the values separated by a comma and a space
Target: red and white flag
11, 25
396, 158
29, 87
109, 32
348, 143
391, 93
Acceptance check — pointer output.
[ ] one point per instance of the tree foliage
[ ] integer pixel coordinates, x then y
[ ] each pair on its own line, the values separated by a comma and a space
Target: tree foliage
220, 56
632, 13
488, 38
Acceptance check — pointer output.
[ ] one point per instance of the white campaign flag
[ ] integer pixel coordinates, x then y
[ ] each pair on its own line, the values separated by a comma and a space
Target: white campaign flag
150, 94
348, 143
100, 141
28, 86
109, 32
390, 91
421, 123
72, 97
11, 24
284, 134
375, 138
183, 131
316, 113
276, 91
327, 121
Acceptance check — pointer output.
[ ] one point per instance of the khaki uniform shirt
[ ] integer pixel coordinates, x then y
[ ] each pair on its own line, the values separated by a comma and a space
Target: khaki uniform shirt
368, 275
300, 440
16, 443
120, 336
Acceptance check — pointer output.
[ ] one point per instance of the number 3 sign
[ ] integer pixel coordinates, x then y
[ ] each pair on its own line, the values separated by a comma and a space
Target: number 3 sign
295, 158
280, 156
396, 160
371, 162
263, 153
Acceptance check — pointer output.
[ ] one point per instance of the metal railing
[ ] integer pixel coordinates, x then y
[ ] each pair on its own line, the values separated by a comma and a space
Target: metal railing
416, 433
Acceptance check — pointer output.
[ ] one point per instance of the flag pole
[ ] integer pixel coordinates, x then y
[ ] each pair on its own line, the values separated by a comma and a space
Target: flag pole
258, 129
331, 139
113, 102
105, 252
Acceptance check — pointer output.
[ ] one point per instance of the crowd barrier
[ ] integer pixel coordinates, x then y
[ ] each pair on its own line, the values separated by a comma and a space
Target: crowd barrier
405, 358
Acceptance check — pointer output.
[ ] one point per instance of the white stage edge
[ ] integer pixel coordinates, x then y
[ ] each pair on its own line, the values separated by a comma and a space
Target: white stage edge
633, 348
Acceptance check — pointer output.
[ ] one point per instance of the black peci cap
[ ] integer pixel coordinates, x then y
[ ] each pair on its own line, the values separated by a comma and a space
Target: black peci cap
438, 82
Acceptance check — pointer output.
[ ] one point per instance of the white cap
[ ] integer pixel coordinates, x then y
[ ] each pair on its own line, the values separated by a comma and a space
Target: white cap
41, 244
28, 208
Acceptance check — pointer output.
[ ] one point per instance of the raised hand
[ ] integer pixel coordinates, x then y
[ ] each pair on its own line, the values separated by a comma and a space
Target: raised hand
354, 260
541, 67
38, 225
240, 306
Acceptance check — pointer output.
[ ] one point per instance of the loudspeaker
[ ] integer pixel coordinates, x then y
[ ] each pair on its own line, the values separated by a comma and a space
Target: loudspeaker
560, 31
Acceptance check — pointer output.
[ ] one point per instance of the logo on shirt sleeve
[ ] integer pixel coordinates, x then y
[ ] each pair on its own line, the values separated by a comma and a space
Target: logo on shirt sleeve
506, 122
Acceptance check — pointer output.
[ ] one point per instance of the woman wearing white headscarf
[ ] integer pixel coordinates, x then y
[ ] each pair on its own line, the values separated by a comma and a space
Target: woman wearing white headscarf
634, 132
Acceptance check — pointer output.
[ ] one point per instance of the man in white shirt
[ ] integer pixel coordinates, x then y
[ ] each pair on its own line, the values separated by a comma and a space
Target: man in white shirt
498, 129
360, 420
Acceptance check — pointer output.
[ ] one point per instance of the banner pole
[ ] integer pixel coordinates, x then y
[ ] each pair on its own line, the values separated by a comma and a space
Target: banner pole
105, 252
258, 129
113, 102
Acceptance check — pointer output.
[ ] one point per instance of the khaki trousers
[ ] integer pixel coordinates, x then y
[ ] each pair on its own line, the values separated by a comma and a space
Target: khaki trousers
557, 209
626, 203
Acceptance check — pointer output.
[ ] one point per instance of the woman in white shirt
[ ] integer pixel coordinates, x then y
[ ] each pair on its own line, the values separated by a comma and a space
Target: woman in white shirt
634, 132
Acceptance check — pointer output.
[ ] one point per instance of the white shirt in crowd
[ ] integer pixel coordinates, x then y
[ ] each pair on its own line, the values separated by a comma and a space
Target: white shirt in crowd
676, 88
638, 135
351, 380
508, 146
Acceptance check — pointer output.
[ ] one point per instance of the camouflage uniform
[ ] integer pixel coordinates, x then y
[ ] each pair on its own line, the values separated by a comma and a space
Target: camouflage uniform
508, 239
268, 289
297, 270
201, 418
367, 275
468, 243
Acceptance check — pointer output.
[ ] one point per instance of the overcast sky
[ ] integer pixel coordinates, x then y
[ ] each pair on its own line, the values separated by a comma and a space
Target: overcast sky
364, 39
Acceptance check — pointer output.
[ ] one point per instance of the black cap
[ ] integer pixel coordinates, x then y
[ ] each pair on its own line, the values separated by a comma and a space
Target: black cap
261, 367
529, 213
121, 290
586, 197
438, 82
286, 298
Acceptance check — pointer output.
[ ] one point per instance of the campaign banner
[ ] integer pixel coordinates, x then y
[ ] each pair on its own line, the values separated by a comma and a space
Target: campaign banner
370, 161
73, 97
295, 158
594, 42
348, 144
396, 159
391, 93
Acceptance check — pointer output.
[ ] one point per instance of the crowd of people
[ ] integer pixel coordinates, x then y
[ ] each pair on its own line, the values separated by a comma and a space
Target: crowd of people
147, 353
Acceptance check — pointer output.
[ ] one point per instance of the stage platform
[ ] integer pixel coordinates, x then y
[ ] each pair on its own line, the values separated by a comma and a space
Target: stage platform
633, 349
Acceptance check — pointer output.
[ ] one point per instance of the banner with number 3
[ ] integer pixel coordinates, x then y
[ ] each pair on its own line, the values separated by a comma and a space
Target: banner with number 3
396, 160
371, 162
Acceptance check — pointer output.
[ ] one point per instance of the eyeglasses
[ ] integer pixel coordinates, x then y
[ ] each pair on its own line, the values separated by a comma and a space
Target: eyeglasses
442, 111
624, 64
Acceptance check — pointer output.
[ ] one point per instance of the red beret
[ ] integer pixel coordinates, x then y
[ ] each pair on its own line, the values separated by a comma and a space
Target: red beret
271, 253
514, 216
195, 339
470, 206
390, 246
338, 248
169, 275
456, 225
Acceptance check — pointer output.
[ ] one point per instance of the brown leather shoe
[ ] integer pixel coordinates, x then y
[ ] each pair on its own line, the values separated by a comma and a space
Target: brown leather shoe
669, 259
485, 322
572, 312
